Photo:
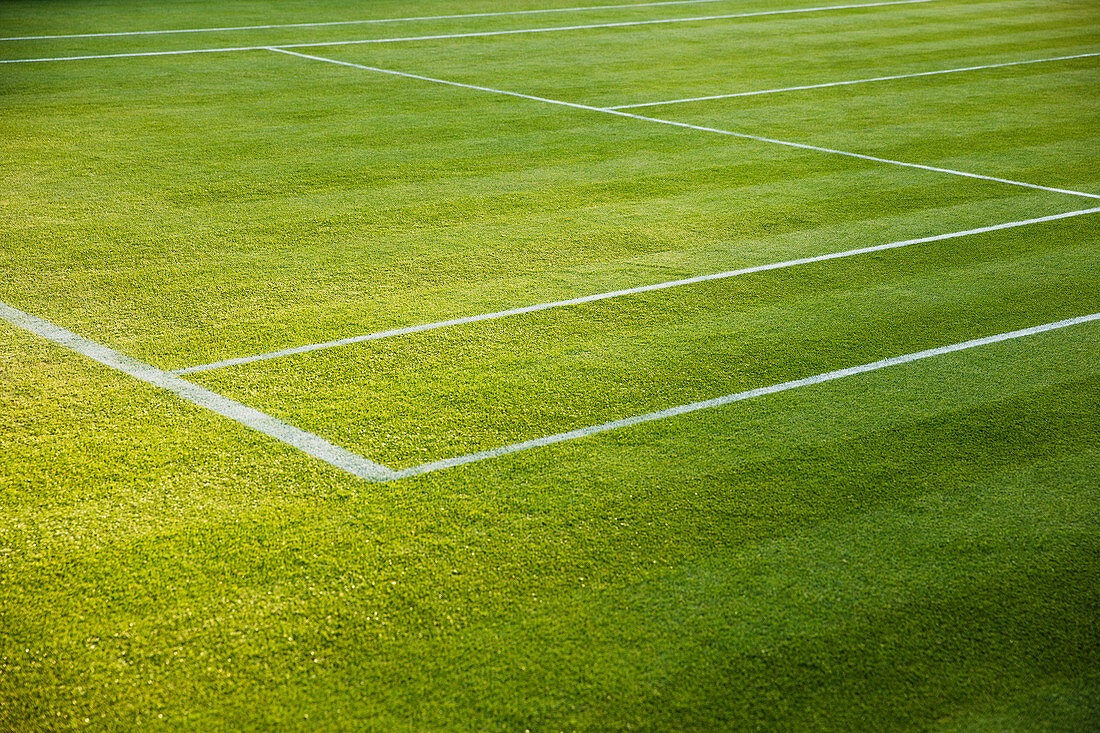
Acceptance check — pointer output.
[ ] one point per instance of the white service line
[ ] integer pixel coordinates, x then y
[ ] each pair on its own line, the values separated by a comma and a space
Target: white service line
481, 34
249, 417
743, 135
739, 396
360, 22
853, 81
617, 293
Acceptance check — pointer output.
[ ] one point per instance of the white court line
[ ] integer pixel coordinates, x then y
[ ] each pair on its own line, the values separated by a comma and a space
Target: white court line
360, 22
739, 396
249, 417
363, 468
617, 293
853, 81
685, 125
481, 34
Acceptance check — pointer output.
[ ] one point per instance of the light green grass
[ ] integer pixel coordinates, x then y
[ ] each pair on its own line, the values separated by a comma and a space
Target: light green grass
910, 549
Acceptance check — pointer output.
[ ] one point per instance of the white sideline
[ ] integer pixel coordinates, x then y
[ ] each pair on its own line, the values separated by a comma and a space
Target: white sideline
249, 417
359, 22
481, 34
617, 293
853, 81
685, 125
739, 396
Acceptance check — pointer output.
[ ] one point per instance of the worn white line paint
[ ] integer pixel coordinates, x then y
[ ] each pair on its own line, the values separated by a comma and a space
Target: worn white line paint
617, 293
361, 22
685, 125
304, 441
481, 34
739, 396
853, 81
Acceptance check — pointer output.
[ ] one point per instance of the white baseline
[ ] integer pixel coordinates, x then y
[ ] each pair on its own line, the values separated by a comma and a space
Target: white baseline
369, 21
481, 34
737, 397
853, 81
249, 417
618, 293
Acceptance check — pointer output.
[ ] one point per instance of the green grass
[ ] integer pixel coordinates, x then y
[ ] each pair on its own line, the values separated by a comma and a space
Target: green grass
910, 549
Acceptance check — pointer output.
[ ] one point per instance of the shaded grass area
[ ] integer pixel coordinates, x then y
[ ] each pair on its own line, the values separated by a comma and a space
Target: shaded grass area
849, 574
854, 638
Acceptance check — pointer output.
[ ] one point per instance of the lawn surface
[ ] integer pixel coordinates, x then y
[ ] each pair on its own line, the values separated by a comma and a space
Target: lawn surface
912, 548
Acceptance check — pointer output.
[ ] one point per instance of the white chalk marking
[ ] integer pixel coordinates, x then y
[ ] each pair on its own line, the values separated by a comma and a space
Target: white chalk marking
685, 125
618, 293
739, 396
853, 81
249, 417
359, 22
481, 34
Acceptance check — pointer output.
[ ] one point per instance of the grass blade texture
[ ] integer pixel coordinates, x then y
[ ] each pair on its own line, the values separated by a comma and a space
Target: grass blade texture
911, 548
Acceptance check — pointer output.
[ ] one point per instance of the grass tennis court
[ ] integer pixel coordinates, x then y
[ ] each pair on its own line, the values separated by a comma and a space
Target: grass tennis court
469, 365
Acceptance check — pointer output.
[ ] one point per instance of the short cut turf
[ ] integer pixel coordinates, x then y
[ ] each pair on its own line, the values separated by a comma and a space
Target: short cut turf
910, 549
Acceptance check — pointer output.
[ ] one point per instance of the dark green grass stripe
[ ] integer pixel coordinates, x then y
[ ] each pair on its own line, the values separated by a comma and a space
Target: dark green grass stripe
618, 293
634, 576
496, 14
854, 625
343, 243
478, 34
489, 384
699, 128
729, 399
850, 82
613, 69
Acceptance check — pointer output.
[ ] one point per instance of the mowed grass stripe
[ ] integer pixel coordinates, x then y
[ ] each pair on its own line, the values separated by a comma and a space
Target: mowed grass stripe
702, 128
536, 11
761, 478
365, 469
1021, 107
954, 562
856, 81
738, 397
620, 293
445, 204
282, 23
1038, 127
630, 66
474, 34
911, 548
876, 533
423, 397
